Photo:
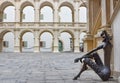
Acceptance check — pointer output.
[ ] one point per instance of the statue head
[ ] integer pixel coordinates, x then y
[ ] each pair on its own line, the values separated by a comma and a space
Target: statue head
105, 35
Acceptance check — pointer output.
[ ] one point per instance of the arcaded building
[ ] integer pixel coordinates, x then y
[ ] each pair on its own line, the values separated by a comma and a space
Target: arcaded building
105, 15
57, 25
42, 25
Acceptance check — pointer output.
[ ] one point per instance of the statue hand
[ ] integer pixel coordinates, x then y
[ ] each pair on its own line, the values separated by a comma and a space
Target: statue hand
76, 60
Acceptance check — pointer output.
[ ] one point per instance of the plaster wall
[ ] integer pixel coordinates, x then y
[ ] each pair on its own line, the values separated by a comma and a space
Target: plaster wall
116, 41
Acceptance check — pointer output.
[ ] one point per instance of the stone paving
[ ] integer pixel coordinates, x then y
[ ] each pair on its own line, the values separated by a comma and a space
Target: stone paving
44, 68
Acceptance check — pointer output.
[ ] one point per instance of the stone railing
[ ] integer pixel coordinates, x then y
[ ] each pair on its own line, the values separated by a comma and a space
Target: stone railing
42, 25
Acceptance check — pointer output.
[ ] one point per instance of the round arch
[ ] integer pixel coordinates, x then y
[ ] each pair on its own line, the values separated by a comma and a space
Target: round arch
50, 31
26, 41
71, 13
7, 41
26, 3
67, 39
5, 4
68, 31
46, 41
2, 33
46, 3
66, 3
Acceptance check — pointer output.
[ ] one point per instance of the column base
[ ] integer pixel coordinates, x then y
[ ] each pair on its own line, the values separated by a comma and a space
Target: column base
55, 49
17, 49
36, 49
76, 49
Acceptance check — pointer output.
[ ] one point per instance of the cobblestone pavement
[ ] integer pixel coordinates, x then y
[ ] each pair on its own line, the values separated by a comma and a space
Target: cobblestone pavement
44, 68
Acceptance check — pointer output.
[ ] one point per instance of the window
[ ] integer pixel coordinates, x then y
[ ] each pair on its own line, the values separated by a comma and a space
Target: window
24, 43
5, 43
42, 44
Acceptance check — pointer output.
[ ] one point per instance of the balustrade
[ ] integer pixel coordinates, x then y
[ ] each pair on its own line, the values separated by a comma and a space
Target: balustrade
41, 25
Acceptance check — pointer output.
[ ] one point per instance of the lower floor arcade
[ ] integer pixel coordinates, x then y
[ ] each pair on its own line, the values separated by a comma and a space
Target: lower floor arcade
44, 40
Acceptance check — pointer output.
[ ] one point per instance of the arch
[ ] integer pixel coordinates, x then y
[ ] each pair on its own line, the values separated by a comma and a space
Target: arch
65, 14
68, 40
2, 33
26, 3
27, 42
5, 4
47, 14
42, 31
24, 31
69, 31
28, 14
82, 14
8, 42
46, 3
68, 4
9, 14
23, 5
46, 41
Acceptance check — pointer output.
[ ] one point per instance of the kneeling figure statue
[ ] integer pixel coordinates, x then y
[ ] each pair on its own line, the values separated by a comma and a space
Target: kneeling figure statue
103, 70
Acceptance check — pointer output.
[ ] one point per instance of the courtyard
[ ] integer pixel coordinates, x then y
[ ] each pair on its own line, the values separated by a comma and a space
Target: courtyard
44, 68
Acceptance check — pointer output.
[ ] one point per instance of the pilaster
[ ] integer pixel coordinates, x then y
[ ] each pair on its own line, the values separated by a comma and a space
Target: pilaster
77, 41
37, 11
55, 41
36, 41
56, 12
16, 41
17, 12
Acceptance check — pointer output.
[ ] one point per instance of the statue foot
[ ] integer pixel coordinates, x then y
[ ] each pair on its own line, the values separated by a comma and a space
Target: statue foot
75, 78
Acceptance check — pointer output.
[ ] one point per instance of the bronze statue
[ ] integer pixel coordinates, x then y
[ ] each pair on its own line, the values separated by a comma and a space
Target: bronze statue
103, 70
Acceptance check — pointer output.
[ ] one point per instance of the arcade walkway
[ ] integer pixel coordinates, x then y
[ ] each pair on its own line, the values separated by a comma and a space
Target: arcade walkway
43, 68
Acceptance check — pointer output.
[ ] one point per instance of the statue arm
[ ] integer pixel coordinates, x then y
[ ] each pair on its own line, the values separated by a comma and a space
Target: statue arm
87, 55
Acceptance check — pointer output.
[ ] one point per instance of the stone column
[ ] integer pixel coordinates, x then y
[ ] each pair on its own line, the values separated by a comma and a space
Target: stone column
36, 41
103, 7
37, 11
76, 15
16, 41
76, 41
37, 15
55, 41
1, 44
17, 15
56, 15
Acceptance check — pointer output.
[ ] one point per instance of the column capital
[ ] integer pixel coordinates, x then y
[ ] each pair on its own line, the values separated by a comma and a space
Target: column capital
36, 0
56, 0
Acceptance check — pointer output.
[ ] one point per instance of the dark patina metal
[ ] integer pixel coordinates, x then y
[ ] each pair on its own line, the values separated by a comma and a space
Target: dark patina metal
103, 70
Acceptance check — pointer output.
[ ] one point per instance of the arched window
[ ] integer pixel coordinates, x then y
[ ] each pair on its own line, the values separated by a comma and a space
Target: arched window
82, 14
28, 14
46, 14
9, 14
65, 14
